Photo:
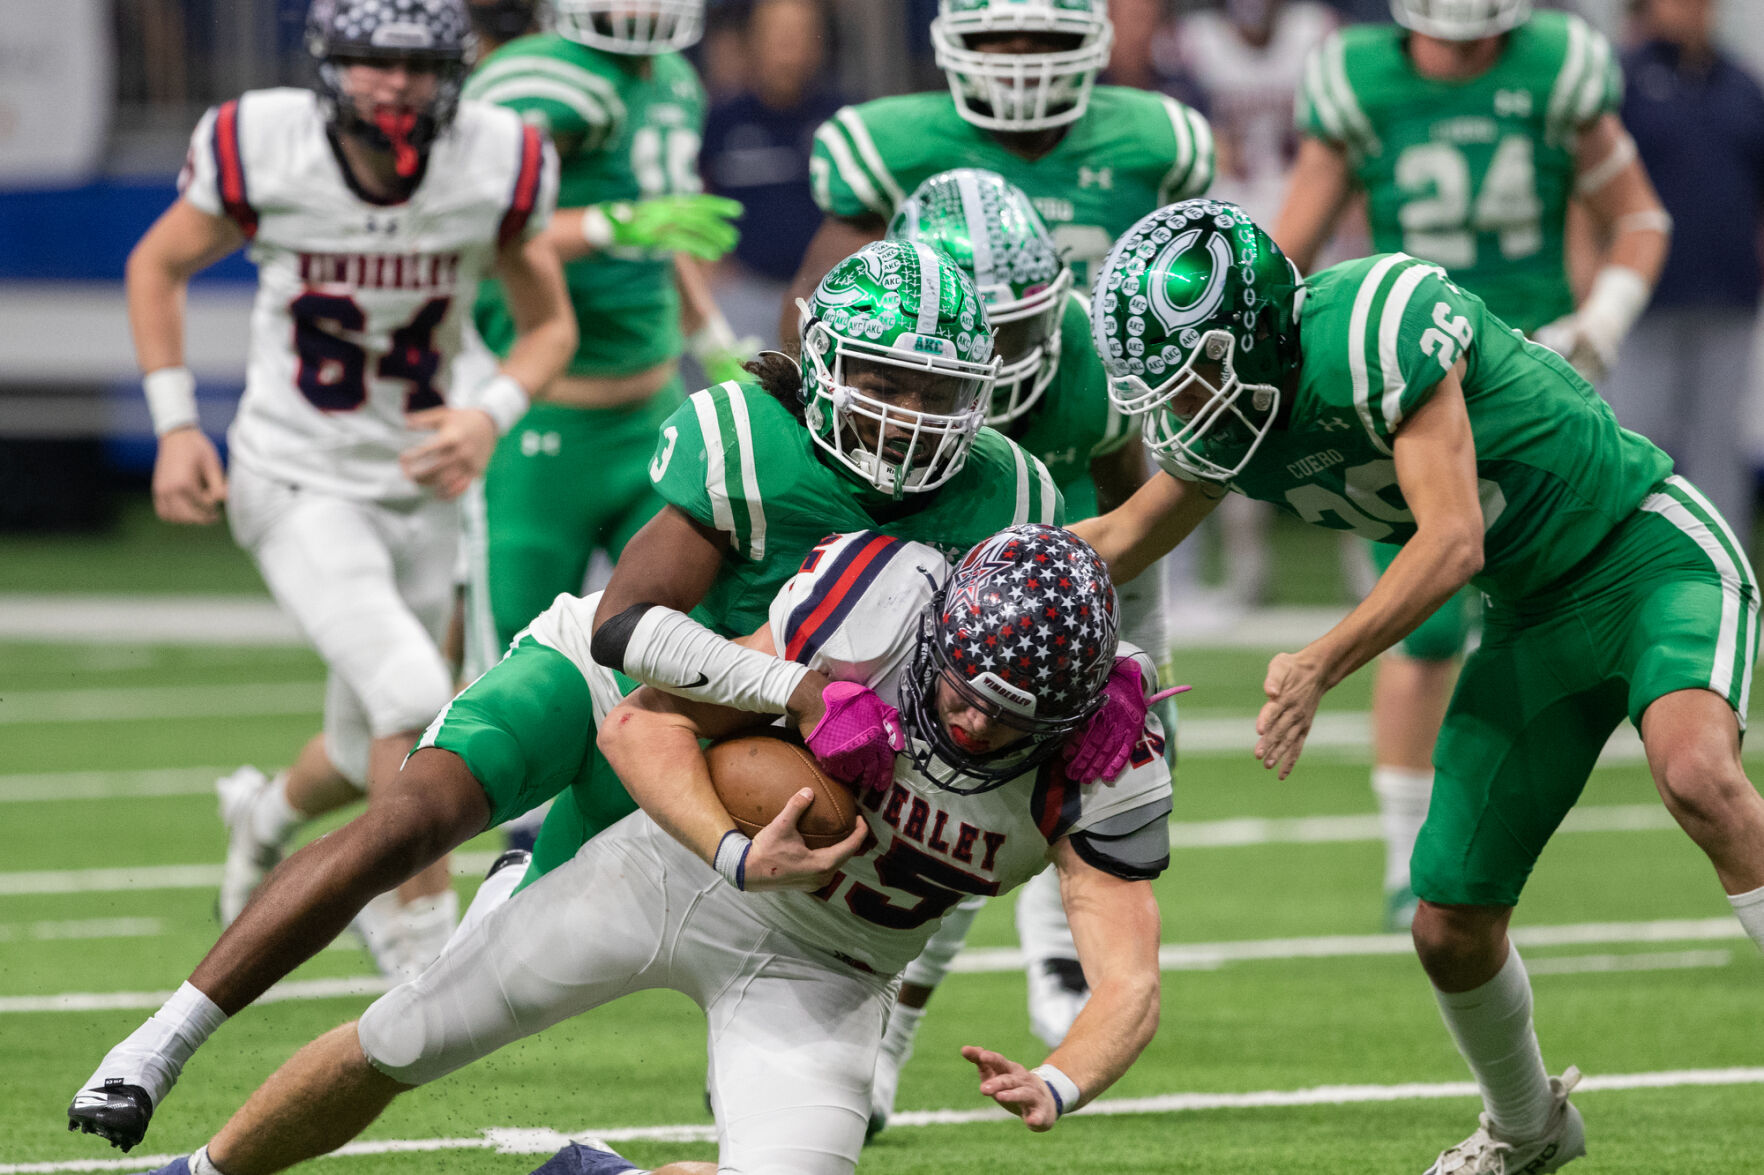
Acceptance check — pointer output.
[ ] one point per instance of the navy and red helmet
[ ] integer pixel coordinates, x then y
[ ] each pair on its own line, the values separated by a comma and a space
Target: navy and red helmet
1025, 629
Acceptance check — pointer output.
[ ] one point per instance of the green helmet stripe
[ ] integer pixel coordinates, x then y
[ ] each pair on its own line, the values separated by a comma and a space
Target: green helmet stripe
930, 289
715, 440
1360, 341
849, 170
749, 483
979, 239
1396, 304
853, 123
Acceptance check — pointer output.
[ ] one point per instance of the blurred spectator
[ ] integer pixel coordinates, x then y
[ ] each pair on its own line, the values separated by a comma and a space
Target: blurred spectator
756, 150
1684, 373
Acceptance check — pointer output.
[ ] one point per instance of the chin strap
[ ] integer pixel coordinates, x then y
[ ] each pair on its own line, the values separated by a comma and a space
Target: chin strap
397, 126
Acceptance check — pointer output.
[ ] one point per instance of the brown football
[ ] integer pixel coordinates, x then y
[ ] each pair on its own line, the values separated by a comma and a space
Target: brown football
755, 774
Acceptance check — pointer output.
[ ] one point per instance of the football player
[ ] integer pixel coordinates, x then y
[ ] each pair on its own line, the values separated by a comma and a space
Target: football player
372, 206
889, 393
1022, 102
792, 951
625, 108
1406, 412
1471, 126
1052, 398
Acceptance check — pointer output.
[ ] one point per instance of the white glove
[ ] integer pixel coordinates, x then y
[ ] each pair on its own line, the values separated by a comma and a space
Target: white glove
1589, 337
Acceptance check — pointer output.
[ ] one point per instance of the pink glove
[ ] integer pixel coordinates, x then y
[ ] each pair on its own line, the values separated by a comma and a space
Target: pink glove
857, 736
1101, 748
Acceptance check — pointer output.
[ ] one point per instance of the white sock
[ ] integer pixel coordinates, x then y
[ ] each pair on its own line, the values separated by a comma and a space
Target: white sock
1748, 907
425, 925
201, 1164
897, 1038
153, 1055
1492, 1025
1403, 794
273, 818
1042, 929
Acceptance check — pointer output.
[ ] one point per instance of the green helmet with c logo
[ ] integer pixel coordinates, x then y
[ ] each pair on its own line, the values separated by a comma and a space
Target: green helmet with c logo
897, 366
1195, 317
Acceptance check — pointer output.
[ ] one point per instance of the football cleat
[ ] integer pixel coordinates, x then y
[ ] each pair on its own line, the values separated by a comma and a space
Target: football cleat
248, 858
591, 1156
1486, 1153
1057, 993
114, 1111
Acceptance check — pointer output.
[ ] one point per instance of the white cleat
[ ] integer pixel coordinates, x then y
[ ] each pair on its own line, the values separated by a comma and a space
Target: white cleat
248, 858
1057, 993
1486, 1153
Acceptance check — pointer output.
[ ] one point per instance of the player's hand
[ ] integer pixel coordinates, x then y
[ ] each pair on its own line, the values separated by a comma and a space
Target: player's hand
1100, 749
188, 482
448, 461
1569, 338
1015, 1088
779, 858
856, 736
697, 225
1294, 686
723, 362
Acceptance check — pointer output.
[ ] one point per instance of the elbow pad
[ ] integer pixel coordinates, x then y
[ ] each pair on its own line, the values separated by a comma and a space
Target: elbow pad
671, 651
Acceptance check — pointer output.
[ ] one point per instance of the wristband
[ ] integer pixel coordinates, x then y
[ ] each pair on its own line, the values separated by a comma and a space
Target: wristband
597, 226
171, 399
730, 859
1063, 1088
714, 336
503, 400
1618, 296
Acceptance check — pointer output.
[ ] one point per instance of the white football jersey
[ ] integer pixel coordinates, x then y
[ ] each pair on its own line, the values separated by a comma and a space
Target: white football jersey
1250, 92
360, 303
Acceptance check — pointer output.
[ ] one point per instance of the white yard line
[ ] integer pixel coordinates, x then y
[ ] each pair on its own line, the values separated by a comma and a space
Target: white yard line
153, 783
142, 877
146, 620
542, 1141
1171, 957
241, 700
82, 928
1656, 961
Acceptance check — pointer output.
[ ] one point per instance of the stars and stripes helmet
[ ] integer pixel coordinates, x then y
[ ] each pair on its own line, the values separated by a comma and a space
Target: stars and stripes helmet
986, 225
1460, 20
1025, 629
896, 366
1195, 318
1021, 91
429, 34
640, 27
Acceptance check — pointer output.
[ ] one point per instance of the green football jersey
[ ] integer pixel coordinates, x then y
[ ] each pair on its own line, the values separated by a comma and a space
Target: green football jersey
626, 128
1132, 152
734, 458
1074, 420
1376, 336
1474, 175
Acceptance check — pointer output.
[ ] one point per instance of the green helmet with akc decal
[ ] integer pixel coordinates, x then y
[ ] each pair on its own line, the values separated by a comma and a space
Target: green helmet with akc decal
1195, 318
988, 227
897, 366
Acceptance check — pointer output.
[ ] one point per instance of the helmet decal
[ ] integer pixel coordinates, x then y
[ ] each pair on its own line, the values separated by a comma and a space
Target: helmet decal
1205, 303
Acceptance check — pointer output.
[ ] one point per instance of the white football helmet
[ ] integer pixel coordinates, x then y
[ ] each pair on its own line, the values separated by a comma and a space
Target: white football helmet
1460, 20
1021, 91
641, 27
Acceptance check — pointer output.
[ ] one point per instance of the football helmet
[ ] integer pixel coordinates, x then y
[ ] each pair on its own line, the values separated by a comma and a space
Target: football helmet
1021, 91
1024, 630
989, 228
429, 34
504, 20
896, 366
1195, 316
1460, 20
640, 27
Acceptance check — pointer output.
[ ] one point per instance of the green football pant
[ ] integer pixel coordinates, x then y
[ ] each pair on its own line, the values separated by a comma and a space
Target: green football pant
1667, 602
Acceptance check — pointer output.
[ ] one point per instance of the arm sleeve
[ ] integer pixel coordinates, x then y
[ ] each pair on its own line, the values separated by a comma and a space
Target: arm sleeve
1418, 326
846, 171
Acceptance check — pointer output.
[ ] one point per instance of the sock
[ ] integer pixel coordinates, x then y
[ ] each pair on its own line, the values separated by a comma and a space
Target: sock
153, 1055
201, 1164
1748, 907
1492, 1025
1403, 795
1042, 929
273, 818
425, 925
897, 1038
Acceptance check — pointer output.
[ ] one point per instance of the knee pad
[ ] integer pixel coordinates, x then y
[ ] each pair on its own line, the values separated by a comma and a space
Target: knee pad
409, 688
346, 733
396, 1038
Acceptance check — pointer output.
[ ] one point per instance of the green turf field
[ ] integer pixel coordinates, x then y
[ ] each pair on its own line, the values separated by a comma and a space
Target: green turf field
1294, 1037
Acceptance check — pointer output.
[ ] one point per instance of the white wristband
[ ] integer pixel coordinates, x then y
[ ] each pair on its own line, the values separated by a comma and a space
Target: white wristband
1063, 1088
671, 651
731, 858
171, 399
597, 227
1619, 294
714, 336
504, 400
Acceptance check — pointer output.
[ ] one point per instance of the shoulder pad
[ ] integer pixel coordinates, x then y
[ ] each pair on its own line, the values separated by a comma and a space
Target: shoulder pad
852, 610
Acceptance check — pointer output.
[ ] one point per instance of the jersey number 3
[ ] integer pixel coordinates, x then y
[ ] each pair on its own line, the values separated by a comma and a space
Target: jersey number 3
332, 370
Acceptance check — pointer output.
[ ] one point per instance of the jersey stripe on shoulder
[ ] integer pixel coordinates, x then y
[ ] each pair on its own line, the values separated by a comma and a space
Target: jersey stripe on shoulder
1049, 496
1396, 304
1326, 82
840, 586
853, 123
1594, 90
526, 186
750, 491
1562, 115
1056, 802
1357, 340
582, 90
1191, 172
229, 166
839, 150
716, 486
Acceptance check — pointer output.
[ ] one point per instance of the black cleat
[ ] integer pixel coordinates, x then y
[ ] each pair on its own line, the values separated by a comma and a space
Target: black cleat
1067, 974
114, 1111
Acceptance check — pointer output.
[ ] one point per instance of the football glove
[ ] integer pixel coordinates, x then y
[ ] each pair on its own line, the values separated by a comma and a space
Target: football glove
719, 352
698, 225
1589, 337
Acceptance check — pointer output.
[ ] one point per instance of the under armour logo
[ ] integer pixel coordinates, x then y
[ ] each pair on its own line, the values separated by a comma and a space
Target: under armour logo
1516, 103
387, 226
1333, 424
1102, 177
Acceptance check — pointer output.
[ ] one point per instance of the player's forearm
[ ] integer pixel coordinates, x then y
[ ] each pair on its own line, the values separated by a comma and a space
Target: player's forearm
697, 307
1118, 475
542, 352
657, 758
564, 234
155, 295
1117, 1023
1133, 536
